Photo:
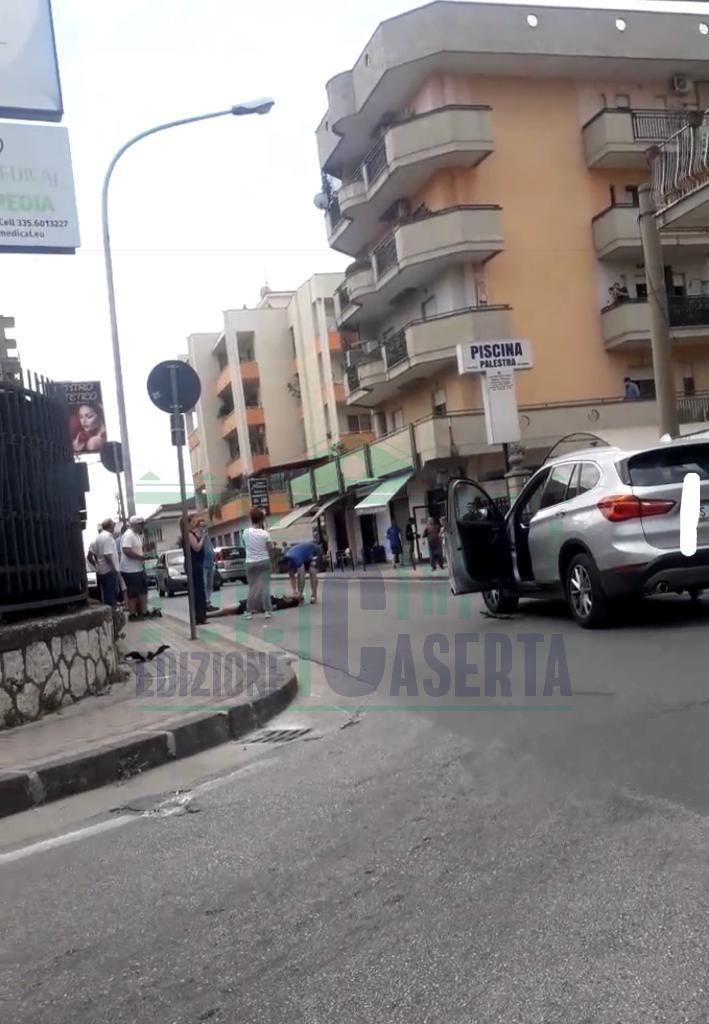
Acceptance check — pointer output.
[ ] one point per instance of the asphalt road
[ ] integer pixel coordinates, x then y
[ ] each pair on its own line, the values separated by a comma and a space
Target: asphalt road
534, 853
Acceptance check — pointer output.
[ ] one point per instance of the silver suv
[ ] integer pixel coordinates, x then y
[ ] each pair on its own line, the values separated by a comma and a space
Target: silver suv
594, 525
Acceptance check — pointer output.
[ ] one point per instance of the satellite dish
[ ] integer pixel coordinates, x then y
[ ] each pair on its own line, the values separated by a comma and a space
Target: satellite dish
321, 201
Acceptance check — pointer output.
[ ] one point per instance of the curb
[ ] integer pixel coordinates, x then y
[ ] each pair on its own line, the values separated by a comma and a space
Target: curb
80, 772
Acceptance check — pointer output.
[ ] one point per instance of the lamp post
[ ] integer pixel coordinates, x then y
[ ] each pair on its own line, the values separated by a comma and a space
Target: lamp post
261, 106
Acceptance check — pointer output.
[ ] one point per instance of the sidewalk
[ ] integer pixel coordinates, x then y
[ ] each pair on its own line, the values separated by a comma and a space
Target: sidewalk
195, 695
387, 571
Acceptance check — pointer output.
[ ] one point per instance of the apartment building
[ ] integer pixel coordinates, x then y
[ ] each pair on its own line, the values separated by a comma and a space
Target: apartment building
273, 397
484, 162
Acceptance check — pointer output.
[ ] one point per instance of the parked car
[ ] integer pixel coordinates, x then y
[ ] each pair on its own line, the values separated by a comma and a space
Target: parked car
170, 574
229, 565
150, 567
595, 526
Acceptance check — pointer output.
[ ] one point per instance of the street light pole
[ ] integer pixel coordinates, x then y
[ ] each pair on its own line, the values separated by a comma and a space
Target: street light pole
261, 106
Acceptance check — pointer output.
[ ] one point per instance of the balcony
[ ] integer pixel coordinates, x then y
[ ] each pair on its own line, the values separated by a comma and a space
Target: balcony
417, 250
235, 468
620, 137
334, 341
223, 380
680, 177
255, 415
248, 369
628, 323
260, 460
401, 161
616, 236
364, 375
228, 424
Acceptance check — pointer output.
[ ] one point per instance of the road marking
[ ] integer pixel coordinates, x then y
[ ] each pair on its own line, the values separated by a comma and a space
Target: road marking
64, 840
689, 515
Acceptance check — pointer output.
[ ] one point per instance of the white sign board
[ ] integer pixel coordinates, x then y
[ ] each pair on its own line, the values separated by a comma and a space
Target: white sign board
507, 353
37, 201
29, 75
500, 405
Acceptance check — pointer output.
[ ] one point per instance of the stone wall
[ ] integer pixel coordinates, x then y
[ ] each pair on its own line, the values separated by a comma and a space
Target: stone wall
55, 660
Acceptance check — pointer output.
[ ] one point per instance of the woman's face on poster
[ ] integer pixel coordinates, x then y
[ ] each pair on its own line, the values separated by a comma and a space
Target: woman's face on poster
89, 419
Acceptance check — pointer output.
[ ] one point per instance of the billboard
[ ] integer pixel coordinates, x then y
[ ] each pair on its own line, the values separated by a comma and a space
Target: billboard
29, 74
84, 408
37, 201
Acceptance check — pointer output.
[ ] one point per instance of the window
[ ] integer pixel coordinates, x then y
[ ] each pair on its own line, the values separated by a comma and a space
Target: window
679, 284
531, 502
688, 386
380, 423
647, 388
640, 286
359, 424
472, 505
245, 346
257, 440
330, 315
668, 466
555, 489
586, 476
439, 402
631, 195
233, 442
428, 308
396, 419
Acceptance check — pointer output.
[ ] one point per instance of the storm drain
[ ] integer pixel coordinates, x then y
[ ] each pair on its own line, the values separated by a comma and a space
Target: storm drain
293, 732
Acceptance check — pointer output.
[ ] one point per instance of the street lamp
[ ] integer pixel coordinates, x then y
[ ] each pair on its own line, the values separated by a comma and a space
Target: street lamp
260, 106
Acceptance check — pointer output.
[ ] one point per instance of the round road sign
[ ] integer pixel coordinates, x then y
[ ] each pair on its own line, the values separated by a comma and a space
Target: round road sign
173, 386
112, 457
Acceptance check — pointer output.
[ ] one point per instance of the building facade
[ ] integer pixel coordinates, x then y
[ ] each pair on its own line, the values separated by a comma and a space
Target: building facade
273, 397
483, 165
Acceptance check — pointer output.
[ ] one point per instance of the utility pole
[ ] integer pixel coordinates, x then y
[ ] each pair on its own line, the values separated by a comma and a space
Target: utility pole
659, 314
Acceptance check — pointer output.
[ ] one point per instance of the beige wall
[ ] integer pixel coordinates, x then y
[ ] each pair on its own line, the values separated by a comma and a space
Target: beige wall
211, 455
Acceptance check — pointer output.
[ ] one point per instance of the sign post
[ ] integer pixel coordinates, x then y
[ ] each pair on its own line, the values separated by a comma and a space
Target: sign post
174, 387
496, 363
112, 460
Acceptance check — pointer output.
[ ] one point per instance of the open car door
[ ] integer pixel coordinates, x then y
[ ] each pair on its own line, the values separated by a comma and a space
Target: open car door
478, 547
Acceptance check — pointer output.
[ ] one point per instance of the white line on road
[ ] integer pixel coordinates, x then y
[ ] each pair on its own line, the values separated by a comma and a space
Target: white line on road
68, 837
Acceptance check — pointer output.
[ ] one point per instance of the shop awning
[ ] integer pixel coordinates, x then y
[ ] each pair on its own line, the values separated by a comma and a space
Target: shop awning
327, 504
292, 517
380, 498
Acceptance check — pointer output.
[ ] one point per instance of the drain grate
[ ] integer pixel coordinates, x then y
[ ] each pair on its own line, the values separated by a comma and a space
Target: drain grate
293, 732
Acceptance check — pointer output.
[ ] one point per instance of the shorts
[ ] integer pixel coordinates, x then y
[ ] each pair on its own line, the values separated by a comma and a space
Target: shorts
136, 583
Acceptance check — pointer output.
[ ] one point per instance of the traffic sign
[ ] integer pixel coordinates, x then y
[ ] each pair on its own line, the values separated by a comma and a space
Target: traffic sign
173, 386
112, 457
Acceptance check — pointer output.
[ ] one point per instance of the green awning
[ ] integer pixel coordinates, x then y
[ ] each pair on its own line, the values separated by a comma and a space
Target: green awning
379, 499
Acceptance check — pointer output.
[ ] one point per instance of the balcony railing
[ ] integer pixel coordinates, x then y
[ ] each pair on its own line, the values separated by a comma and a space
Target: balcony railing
689, 311
375, 162
656, 125
681, 164
395, 348
334, 213
384, 256
352, 378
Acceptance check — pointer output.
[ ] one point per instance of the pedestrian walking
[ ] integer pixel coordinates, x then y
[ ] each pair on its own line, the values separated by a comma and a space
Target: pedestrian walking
103, 555
301, 560
434, 537
410, 534
208, 563
132, 568
196, 534
394, 538
259, 549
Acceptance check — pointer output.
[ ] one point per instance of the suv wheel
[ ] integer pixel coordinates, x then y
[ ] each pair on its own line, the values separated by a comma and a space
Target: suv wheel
584, 593
500, 602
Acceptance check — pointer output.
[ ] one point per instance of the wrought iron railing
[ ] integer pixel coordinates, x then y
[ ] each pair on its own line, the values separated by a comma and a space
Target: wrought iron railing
375, 162
689, 310
681, 163
385, 255
657, 125
334, 213
395, 349
693, 409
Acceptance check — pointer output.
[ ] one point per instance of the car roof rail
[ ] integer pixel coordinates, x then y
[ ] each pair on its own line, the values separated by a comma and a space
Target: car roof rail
581, 441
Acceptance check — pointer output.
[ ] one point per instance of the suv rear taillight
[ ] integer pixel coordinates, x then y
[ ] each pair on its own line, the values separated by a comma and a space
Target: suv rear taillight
627, 506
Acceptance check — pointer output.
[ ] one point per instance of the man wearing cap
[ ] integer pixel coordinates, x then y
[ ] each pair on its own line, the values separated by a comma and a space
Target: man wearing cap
132, 570
103, 555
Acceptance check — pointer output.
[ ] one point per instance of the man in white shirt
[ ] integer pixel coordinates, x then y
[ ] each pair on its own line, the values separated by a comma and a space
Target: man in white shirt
132, 570
104, 558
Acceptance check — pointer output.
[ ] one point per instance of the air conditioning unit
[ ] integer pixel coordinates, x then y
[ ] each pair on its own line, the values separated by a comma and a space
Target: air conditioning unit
681, 84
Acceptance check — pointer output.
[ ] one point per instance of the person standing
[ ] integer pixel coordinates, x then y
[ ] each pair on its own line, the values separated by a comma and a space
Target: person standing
411, 540
196, 534
631, 391
394, 538
132, 568
208, 561
433, 535
103, 555
259, 547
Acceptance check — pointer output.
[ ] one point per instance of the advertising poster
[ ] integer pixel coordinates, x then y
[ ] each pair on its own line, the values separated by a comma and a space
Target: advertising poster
84, 409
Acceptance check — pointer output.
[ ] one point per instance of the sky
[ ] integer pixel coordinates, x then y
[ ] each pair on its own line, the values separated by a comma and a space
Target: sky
202, 216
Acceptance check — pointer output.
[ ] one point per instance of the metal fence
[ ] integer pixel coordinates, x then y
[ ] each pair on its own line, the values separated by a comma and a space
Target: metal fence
42, 503
395, 348
385, 255
657, 125
375, 162
689, 310
681, 163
